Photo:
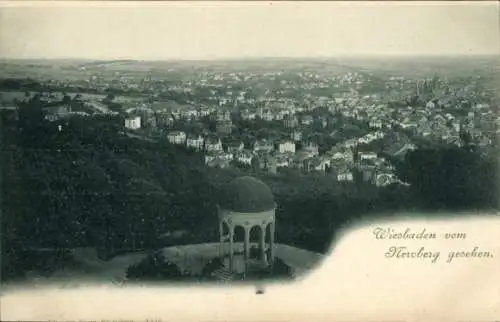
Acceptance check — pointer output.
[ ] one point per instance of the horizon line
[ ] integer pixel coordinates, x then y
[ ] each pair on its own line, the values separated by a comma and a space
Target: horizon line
341, 56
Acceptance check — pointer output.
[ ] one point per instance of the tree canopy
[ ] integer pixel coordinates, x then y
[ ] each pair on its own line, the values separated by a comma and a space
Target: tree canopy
87, 185
451, 177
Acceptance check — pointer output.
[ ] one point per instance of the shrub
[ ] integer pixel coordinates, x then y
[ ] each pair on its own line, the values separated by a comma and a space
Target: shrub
280, 269
154, 267
212, 266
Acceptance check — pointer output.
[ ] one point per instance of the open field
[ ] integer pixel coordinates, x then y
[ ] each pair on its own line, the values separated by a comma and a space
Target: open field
8, 97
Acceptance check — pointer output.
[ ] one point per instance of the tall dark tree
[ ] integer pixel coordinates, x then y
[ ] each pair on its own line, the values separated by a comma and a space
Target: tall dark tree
451, 177
255, 164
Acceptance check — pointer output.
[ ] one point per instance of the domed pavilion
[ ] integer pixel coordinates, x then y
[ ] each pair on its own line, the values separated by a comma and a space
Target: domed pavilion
247, 204
247, 249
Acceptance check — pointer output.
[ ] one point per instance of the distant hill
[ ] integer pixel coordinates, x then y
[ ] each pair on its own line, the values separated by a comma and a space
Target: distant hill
408, 66
108, 63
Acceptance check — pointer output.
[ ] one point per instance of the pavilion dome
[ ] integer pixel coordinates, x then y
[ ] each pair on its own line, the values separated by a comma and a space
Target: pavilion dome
247, 194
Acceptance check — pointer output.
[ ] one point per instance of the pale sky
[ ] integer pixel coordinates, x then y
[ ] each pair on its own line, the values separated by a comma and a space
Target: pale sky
206, 30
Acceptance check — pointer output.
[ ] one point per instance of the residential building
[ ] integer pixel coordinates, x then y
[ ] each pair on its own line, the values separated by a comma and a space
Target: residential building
384, 179
133, 123
290, 121
57, 112
218, 163
271, 164
266, 114
300, 159
311, 149
296, 136
203, 111
318, 164
351, 143
263, 145
99, 107
344, 155
307, 120
368, 174
344, 174
368, 156
195, 142
234, 146
213, 144
177, 137
148, 117
286, 147
247, 115
224, 126
164, 119
244, 157
375, 123
282, 161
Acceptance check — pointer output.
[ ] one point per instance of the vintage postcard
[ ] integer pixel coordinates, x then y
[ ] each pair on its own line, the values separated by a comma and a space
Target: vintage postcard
250, 161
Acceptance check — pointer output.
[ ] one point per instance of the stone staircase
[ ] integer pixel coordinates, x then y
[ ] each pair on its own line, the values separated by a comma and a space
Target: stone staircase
223, 275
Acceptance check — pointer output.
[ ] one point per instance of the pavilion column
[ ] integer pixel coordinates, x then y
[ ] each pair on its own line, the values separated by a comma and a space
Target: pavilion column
221, 239
231, 255
271, 238
263, 244
247, 247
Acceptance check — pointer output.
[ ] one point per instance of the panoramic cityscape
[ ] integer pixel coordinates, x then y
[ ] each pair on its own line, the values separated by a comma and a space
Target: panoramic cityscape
131, 171
125, 157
